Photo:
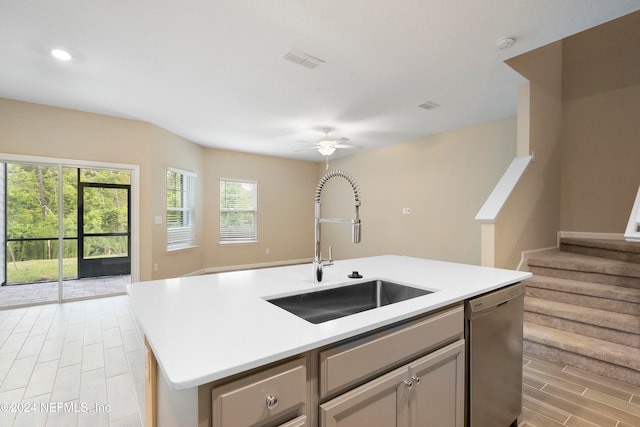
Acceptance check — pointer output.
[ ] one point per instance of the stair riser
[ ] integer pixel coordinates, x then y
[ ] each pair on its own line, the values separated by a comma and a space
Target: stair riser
586, 311
629, 282
586, 363
606, 334
597, 290
602, 253
585, 301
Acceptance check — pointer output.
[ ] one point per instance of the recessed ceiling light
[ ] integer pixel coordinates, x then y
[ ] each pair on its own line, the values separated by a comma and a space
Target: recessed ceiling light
61, 54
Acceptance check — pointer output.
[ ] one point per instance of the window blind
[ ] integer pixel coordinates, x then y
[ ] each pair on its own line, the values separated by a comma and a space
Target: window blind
180, 204
238, 210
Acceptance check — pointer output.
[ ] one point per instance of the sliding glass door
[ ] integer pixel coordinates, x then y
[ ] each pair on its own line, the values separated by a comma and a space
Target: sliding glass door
66, 232
31, 233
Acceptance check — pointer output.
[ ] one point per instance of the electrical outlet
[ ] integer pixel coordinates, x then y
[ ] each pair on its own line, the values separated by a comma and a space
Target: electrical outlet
155, 266
406, 211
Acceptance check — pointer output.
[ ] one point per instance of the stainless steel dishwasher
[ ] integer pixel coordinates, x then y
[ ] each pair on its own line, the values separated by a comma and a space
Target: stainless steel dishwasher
493, 330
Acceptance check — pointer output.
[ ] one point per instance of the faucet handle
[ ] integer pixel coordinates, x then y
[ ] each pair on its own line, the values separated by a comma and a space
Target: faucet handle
329, 261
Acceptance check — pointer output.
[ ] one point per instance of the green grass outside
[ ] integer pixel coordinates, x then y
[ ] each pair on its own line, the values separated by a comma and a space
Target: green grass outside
40, 270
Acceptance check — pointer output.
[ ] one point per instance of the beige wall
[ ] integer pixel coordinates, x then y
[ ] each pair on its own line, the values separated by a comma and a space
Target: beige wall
601, 126
584, 127
285, 200
600, 159
602, 59
444, 180
530, 217
170, 150
285, 208
38, 130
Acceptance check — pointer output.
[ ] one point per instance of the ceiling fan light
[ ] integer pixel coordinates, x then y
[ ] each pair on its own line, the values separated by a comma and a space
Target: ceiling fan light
326, 150
61, 54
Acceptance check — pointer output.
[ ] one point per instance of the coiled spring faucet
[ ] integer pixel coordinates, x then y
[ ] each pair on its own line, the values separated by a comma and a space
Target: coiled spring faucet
318, 262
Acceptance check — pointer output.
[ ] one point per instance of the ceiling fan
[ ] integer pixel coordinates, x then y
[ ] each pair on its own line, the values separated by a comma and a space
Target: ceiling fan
328, 145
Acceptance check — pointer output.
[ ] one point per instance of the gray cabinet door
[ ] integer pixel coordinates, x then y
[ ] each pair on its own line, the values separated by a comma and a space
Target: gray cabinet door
437, 398
381, 402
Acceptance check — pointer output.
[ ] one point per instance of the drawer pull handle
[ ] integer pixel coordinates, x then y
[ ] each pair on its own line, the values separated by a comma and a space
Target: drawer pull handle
408, 384
272, 402
416, 379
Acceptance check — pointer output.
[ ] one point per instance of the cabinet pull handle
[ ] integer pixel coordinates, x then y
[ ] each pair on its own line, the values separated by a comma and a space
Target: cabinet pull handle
272, 402
408, 384
416, 379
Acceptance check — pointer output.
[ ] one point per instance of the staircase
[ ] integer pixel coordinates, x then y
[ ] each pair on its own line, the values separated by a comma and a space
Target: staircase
582, 307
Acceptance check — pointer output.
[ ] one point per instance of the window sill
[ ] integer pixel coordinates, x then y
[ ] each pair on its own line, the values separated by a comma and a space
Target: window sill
238, 242
178, 248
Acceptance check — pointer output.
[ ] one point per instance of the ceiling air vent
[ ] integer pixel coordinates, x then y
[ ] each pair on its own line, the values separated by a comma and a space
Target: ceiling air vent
303, 59
429, 105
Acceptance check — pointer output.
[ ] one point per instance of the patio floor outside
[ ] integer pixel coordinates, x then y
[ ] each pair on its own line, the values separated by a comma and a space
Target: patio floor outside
37, 293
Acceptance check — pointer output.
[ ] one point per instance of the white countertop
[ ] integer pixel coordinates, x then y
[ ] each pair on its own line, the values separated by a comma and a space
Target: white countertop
205, 328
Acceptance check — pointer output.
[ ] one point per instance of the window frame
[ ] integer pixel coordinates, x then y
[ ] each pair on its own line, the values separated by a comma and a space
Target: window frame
238, 240
187, 208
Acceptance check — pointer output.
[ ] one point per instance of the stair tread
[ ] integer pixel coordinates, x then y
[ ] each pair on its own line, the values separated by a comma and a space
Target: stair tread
620, 293
609, 244
593, 316
591, 288
617, 354
558, 259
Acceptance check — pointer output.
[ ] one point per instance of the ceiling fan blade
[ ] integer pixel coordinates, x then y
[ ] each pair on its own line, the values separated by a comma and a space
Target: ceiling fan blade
326, 142
349, 146
313, 147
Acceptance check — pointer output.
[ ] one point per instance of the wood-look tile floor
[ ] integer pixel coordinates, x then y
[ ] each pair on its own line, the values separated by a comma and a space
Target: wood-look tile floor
559, 395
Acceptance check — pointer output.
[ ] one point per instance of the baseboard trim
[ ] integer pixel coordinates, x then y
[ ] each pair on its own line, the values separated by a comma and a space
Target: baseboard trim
227, 268
588, 235
524, 254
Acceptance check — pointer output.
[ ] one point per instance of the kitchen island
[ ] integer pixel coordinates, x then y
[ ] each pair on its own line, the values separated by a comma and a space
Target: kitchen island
209, 333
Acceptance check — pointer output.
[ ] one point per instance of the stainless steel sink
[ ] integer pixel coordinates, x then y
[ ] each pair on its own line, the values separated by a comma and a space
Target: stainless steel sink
321, 306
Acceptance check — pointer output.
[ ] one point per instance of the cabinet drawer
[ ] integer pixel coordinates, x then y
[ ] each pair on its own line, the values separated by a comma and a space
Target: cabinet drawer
301, 421
355, 361
260, 396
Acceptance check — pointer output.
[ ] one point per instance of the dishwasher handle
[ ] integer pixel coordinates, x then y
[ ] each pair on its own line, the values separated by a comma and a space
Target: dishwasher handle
487, 303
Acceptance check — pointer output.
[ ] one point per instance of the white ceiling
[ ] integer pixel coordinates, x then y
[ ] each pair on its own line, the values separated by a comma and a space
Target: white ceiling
212, 70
